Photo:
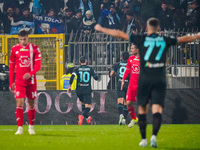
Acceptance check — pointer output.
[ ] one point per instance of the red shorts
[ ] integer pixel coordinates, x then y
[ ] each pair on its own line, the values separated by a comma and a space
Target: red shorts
131, 93
28, 91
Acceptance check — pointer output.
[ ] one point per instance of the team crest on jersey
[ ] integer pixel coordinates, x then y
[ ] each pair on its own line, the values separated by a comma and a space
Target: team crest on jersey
135, 69
24, 61
23, 49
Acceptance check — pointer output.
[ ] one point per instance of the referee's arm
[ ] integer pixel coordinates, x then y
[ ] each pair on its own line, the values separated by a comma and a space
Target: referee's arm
112, 32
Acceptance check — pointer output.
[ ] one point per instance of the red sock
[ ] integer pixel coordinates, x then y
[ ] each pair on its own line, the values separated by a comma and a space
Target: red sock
31, 116
19, 115
131, 111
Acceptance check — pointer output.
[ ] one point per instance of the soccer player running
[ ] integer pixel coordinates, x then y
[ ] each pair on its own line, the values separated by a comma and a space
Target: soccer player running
83, 88
119, 69
132, 68
152, 78
26, 57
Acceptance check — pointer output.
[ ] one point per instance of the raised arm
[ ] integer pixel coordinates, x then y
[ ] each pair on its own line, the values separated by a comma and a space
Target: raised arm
186, 39
112, 32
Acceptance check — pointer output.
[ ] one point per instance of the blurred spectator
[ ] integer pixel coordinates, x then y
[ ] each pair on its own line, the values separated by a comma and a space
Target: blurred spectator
25, 21
88, 23
194, 19
109, 19
73, 4
149, 8
6, 19
52, 4
87, 26
75, 22
17, 13
124, 11
179, 19
166, 17
132, 23
24, 3
49, 24
26, 16
37, 8
106, 4
85, 5
115, 20
10, 3
66, 16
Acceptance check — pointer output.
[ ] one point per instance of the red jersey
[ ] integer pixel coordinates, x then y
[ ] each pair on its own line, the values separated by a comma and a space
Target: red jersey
27, 59
132, 67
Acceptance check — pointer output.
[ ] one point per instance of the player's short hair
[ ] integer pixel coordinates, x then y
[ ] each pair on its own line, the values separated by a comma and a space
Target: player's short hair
23, 33
125, 55
82, 59
153, 24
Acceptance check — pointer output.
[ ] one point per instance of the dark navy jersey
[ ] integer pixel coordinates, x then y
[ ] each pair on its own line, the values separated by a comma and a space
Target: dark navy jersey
120, 68
152, 49
84, 74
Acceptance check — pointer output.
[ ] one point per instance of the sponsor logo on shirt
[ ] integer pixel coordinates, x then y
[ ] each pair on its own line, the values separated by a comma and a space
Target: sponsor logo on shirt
135, 69
155, 65
24, 61
23, 49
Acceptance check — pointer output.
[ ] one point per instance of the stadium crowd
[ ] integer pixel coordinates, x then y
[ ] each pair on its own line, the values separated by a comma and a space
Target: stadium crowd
64, 16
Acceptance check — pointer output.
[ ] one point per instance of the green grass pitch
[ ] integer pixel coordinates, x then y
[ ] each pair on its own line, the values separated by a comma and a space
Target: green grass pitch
98, 137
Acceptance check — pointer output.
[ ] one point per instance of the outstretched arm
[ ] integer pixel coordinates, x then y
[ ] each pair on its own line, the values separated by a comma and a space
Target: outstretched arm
112, 32
186, 39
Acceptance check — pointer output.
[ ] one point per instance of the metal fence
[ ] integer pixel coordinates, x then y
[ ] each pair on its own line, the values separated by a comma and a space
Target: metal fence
103, 51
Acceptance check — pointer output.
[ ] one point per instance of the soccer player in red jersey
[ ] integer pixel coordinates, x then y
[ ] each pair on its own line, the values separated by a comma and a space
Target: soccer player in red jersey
132, 68
25, 58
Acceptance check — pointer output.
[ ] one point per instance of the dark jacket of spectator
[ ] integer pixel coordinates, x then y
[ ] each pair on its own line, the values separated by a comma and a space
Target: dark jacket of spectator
6, 19
166, 17
194, 18
66, 16
75, 22
10, 3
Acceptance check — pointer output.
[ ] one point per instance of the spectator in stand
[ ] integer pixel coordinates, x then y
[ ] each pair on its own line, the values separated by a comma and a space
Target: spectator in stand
109, 19
85, 5
166, 17
24, 3
87, 27
115, 20
6, 19
124, 11
132, 23
17, 13
37, 8
10, 3
194, 18
179, 19
75, 22
88, 23
149, 8
52, 4
66, 15
106, 4
25, 21
73, 4
26, 16
49, 24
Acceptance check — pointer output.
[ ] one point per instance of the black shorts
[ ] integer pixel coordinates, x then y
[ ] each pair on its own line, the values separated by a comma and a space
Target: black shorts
85, 98
121, 93
153, 90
